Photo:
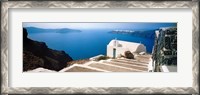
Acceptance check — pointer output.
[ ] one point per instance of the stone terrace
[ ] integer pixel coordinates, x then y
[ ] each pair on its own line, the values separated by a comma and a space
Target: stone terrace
139, 64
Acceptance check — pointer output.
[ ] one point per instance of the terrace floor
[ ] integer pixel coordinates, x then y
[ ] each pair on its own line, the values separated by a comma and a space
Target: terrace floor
139, 64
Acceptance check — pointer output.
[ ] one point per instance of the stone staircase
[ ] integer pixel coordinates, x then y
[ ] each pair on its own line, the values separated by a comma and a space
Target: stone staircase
140, 64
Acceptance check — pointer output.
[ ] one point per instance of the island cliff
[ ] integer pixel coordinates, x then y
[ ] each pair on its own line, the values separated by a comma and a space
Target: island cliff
59, 30
37, 54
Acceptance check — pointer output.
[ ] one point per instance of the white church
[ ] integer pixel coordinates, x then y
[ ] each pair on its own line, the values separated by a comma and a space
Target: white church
117, 47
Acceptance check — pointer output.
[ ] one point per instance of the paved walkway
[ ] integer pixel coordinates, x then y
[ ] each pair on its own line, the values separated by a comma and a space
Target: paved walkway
139, 64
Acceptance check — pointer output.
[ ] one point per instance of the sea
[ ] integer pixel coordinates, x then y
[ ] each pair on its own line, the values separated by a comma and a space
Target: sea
88, 43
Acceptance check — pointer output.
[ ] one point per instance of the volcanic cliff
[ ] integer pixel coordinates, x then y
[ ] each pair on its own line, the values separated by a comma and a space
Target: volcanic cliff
37, 54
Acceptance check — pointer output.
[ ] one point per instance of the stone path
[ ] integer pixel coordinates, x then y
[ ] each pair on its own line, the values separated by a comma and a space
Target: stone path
140, 64
81, 69
113, 68
130, 62
132, 66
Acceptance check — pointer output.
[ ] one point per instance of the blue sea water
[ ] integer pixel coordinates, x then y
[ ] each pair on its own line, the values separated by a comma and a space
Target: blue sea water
88, 43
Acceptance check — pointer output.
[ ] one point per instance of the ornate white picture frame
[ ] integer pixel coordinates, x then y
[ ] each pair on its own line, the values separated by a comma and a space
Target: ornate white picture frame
6, 5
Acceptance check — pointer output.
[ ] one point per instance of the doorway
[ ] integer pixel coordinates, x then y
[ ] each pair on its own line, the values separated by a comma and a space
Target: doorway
114, 53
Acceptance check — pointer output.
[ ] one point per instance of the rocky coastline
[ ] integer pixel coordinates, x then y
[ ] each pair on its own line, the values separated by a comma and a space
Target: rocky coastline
37, 54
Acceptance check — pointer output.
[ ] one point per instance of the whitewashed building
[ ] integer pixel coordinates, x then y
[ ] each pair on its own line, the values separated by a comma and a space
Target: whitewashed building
117, 47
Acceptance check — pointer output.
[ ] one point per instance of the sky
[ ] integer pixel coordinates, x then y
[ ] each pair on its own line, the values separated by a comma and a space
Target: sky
106, 25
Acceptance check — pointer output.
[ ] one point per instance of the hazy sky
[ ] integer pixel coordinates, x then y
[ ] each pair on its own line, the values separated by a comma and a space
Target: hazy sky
99, 25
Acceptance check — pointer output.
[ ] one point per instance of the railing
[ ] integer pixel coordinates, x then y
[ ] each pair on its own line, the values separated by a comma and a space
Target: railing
165, 48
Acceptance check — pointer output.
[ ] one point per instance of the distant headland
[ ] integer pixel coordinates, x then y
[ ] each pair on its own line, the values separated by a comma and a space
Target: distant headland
139, 33
42, 30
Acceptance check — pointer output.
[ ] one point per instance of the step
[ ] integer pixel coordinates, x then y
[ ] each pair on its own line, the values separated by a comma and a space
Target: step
109, 67
125, 59
132, 66
130, 62
145, 56
81, 68
142, 59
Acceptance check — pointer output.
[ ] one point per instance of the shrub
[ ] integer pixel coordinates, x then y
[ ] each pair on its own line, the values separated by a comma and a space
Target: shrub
128, 55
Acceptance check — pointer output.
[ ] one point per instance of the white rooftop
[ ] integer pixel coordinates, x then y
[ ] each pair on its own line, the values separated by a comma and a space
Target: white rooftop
125, 44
